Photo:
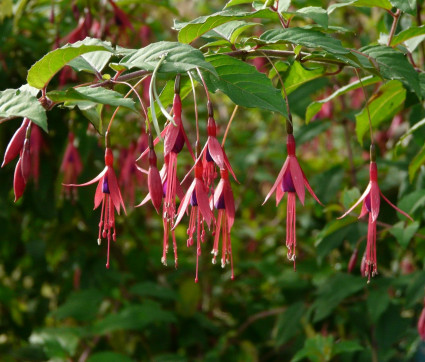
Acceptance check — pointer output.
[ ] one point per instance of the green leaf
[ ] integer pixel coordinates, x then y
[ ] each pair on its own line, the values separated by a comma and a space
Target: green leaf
150, 289
411, 202
384, 4
404, 233
394, 65
316, 349
316, 106
383, 106
87, 97
60, 342
82, 306
288, 323
14, 103
180, 58
297, 75
233, 29
407, 6
410, 131
44, 70
244, 84
317, 14
407, 34
378, 301
134, 317
108, 357
416, 163
333, 291
236, 2
91, 62
305, 37
192, 30
94, 115
346, 347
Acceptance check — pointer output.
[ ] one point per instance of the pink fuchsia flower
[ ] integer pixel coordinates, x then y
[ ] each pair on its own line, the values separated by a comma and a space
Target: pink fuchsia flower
16, 143
36, 146
421, 324
109, 195
197, 197
225, 204
291, 180
371, 199
71, 166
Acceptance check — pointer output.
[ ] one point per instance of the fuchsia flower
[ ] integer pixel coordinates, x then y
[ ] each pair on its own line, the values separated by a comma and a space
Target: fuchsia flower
225, 204
20, 144
197, 196
71, 166
36, 146
109, 194
371, 202
421, 324
129, 176
291, 180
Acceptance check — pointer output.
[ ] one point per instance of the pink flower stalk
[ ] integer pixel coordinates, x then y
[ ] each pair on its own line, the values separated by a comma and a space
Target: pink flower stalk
421, 324
109, 194
71, 166
291, 180
197, 196
371, 202
121, 18
225, 204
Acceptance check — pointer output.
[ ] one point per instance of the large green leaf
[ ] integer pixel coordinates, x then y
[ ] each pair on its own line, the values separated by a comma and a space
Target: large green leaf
108, 357
93, 62
416, 163
288, 322
404, 233
407, 6
305, 37
317, 14
179, 58
233, 29
383, 106
316, 106
409, 33
244, 84
384, 4
134, 317
14, 103
87, 97
236, 2
393, 65
333, 292
297, 75
192, 30
43, 71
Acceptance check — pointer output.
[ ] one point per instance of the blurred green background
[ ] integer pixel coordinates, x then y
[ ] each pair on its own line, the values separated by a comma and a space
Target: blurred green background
58, 302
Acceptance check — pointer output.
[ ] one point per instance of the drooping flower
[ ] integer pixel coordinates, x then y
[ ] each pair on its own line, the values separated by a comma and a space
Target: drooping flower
225, 204
353, 260
71, 166
109, 195
421, 324
16, 143
36, 146
371, 199
291, 180
197, 197
212, 153
129, 176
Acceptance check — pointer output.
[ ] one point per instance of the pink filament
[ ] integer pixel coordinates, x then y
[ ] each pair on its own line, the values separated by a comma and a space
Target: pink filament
291, 240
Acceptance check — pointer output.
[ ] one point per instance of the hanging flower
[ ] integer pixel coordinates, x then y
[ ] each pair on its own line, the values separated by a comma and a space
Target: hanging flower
71, 166
371, 202
225, 204
36, 146
109, 194
421, 324
16, 143
291, 180
197, 196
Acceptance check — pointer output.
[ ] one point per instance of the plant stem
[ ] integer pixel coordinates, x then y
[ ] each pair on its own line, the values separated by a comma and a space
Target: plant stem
228, 125
196, 106
367, 105
396, 16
